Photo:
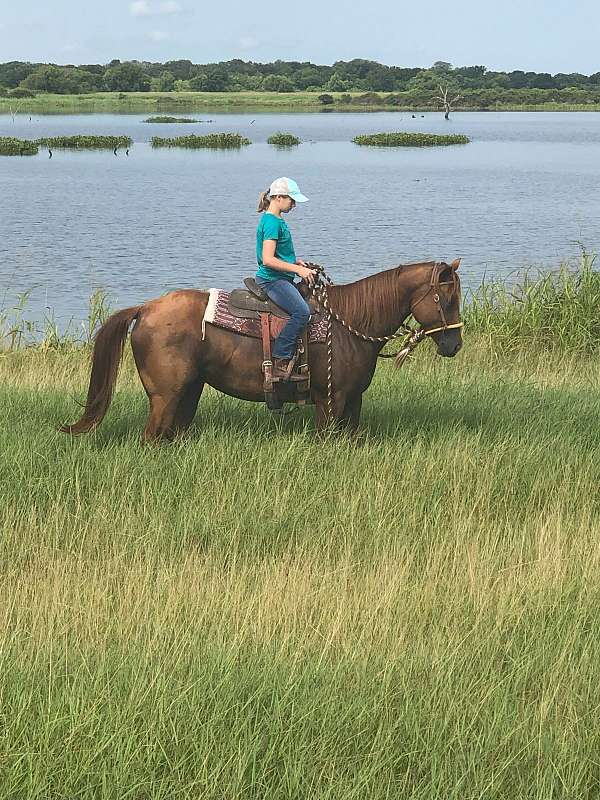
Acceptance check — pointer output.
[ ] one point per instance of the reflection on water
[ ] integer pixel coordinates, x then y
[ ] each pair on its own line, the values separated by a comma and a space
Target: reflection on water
524, 192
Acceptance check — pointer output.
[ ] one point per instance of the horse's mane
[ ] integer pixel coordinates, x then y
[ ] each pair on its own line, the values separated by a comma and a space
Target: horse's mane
372, 303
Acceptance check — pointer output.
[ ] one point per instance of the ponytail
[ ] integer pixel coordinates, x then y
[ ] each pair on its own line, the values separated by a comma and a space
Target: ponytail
263, 201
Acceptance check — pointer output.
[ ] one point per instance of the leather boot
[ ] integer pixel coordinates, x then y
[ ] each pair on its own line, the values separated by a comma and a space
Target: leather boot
281, 368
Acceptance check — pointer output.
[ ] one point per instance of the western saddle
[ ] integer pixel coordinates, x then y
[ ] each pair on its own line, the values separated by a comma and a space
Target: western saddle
253, 303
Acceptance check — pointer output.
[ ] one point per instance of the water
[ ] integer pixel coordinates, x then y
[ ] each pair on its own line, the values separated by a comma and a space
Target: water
525, 192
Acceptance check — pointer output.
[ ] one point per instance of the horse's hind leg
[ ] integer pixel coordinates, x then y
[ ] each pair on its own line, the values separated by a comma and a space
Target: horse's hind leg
162, 414
188, 403
169, 370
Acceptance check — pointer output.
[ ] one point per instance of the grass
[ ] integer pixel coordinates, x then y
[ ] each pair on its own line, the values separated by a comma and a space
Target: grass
164, 102
166, 119
212, 140
409, 140
90, 142
283, 139
244, 101
253, 613
9, 146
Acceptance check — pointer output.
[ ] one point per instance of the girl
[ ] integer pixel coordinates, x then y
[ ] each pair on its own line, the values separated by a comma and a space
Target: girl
277, 267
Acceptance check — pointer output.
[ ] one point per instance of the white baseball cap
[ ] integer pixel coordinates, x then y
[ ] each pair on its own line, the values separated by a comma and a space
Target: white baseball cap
287, 186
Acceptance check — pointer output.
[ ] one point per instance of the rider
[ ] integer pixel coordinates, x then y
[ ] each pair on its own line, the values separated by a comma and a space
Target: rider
277, 267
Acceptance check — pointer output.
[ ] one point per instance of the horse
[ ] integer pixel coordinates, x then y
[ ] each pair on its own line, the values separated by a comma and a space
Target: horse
175, 361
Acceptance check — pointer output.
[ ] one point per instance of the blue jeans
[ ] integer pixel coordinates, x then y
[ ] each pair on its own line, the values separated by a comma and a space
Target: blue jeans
285, 294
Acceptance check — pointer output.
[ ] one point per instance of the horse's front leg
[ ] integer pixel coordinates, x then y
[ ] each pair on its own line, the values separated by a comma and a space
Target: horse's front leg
351, 417
327, 418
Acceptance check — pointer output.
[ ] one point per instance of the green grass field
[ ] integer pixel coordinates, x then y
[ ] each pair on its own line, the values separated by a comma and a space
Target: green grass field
251, 612
139, 102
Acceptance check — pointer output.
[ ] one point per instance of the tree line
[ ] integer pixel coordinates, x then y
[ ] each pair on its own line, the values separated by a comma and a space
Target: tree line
282, 76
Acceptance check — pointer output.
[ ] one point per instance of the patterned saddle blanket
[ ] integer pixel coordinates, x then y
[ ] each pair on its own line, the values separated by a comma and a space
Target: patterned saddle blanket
219, 313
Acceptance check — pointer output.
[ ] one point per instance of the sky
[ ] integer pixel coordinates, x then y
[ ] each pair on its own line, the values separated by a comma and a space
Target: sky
539, 35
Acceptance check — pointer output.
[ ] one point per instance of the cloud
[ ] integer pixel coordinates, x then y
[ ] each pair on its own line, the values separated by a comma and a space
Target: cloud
169, 7
158, 36
144, 8
248, 41
140, 8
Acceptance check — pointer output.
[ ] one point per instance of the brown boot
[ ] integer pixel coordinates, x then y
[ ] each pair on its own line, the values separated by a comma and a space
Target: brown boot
282, 370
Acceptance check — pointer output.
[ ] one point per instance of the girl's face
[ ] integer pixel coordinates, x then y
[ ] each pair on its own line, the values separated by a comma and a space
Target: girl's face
286, 204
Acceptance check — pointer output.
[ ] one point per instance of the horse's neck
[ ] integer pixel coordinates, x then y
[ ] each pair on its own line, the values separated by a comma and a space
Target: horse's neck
377, 305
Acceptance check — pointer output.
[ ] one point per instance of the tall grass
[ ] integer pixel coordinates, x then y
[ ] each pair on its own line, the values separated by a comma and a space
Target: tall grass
251, 612
19, 330
555, 310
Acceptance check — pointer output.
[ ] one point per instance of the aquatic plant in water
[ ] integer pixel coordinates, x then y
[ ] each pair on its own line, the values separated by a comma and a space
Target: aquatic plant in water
216, 140
409, 139
283, 139
86, 142
171, 119
9, 146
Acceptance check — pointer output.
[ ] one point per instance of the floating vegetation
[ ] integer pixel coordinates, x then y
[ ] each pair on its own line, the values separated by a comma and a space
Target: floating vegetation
171, 119
283, 139
10, 146
86, 142
409, 139
216, 140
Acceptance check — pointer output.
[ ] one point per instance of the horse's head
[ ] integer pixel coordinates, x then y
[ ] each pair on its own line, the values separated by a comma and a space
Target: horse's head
435, 304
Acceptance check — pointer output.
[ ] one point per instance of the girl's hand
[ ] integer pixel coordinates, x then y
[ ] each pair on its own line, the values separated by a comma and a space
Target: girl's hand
308, 275
300, 263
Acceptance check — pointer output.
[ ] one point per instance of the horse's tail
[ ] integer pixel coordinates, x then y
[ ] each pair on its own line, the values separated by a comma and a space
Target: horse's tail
108, 351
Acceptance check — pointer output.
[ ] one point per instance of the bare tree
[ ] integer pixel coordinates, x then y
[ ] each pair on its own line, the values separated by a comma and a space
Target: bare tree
443, 98
13, 112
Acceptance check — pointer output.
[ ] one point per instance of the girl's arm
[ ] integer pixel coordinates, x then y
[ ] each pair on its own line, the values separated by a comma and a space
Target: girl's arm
270, 260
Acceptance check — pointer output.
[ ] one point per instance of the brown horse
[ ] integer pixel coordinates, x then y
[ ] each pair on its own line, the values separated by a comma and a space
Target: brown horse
174, 361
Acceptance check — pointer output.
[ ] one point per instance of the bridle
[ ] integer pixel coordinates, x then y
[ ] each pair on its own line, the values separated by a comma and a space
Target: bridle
434, 285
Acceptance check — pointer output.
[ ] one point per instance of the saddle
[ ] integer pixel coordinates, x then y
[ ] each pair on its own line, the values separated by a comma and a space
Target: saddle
253, 303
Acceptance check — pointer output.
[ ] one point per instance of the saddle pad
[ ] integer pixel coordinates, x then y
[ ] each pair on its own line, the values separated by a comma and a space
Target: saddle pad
218, 313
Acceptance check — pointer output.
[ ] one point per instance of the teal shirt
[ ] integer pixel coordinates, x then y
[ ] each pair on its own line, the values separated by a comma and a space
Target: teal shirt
272, 227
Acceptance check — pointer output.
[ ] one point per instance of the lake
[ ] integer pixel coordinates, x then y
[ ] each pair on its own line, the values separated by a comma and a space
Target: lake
525, 193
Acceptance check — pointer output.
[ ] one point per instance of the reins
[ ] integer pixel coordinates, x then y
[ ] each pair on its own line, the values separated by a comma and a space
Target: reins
319, 293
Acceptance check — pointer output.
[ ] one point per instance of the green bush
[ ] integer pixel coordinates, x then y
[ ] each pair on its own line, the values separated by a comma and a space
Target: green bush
409, 140
215, 140
86, 142
283, 139
20, 93
10, 146
170, 119
369, 99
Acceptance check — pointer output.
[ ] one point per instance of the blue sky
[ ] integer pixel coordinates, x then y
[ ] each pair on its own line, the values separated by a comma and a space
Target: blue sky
550, 36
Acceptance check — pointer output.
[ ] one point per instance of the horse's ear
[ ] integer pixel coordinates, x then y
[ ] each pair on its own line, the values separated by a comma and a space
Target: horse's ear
456, 263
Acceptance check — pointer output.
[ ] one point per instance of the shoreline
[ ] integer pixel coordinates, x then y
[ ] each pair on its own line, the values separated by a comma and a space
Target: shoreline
237, 102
